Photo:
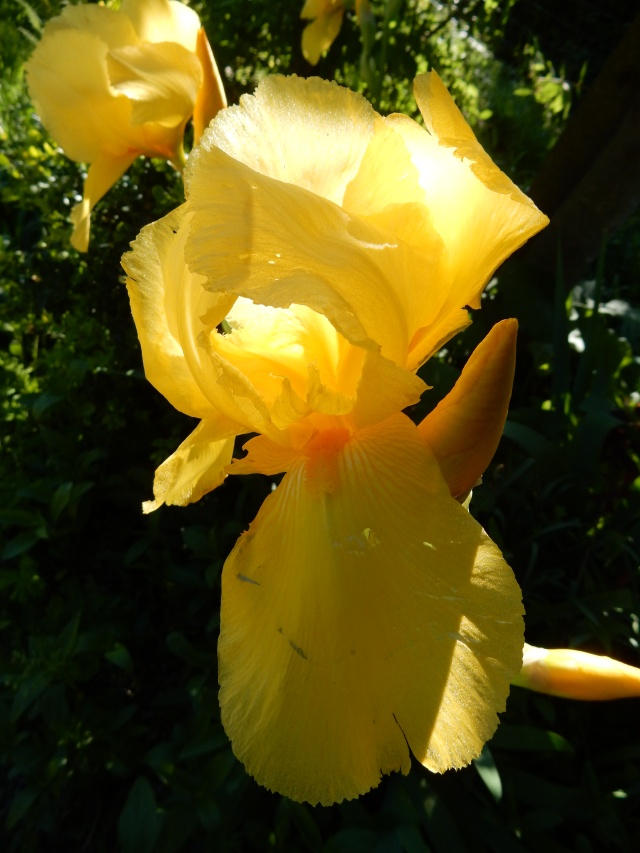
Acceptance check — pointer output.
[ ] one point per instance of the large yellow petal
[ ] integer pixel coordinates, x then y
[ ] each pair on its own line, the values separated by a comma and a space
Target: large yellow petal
68, 81
197, 466
279, 244
310, 133
364, 613
161, 80
464, 429
481, 216
211, 97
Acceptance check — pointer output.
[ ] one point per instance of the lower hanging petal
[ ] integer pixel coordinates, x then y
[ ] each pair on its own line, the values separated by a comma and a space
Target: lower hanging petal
196, 467
103, 173
365, 614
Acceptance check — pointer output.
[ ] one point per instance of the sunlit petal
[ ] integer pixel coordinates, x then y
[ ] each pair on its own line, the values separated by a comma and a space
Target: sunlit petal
577, 675
464, 429
163, 20
364, 614
310, 133
160, 285
279, 244
480, 214
196, 467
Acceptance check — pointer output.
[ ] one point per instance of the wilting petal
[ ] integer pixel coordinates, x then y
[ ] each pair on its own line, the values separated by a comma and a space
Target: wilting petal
211, 97
102, 175
196, 467
364, 613
160, 80
577, 675
320, 34
464, 429
310, 133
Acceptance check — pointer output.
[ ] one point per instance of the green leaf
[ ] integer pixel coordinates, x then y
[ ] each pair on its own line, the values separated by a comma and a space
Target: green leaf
529, 739
182, 648
21, 543
488, 772
21, 804
139, 822
29, 691
60, 499
351, 841
119, 655
306, 825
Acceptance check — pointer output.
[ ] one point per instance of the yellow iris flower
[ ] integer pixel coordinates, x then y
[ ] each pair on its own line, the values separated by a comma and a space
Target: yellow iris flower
326, 19
365, 614
577, 675
111, 85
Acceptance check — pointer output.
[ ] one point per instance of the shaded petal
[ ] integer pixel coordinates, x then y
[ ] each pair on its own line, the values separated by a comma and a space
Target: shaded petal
577, 675
464, 429
102, 175
279, 244
161, 80
363, 613
211, 97
310, 133
196, 467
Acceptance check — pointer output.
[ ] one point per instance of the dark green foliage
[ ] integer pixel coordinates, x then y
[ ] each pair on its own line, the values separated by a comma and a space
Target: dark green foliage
110, 737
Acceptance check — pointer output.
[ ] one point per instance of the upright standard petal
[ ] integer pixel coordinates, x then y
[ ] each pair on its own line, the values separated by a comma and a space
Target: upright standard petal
480, 214
310, 133
364, 614
464, 429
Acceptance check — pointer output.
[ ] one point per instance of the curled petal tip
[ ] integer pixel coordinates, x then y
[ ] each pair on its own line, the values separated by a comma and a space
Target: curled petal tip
572, 674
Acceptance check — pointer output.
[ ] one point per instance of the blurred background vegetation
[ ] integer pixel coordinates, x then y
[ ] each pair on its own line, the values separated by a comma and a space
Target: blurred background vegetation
110, 736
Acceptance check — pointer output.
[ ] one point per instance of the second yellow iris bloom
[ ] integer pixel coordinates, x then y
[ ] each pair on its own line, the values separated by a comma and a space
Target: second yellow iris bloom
365, 614
111, 85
